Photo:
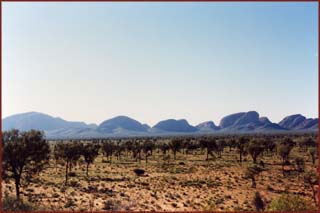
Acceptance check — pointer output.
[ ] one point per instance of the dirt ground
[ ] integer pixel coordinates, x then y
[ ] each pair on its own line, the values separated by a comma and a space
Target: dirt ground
189, 183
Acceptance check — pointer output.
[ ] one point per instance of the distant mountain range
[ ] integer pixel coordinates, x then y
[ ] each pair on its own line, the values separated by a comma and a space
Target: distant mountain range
123, 126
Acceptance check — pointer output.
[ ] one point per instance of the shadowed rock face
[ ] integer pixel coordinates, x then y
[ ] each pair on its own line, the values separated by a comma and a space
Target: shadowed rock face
172, 125
229, 120
298, 122
308, 123
248, 122
125, 126
41, 121
207, 126
244, 120
292, 121
264, 120
249, 117
121, 122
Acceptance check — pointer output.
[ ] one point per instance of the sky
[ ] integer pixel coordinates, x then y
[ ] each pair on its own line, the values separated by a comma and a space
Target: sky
154, 61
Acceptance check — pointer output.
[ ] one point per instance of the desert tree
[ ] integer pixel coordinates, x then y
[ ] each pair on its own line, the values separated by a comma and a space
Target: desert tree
185, 144
175, 146
284, 150
313, 154
90, 152
231, 143
147, 147
56, 155
24, 153
241, 144
311, 179
108, 147
75, 148
137, 149
210, 144
309, 142
288, 141
70, 152
221, 144
119, 148
128, 147
271, 146
255, 148
164, 148
299, 163
191, 146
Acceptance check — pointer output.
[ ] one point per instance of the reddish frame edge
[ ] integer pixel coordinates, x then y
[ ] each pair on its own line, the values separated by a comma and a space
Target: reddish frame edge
318, 169
159, 1
1, 105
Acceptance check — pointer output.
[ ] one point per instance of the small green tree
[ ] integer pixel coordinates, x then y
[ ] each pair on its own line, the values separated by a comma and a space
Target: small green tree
210, 145
147, 147
90, 152
313, 154
311, 179
164, 148
175, 145
255, 148
137, 148
221, 144
108, 148
284, 151
24, 153
241, 144
70, 152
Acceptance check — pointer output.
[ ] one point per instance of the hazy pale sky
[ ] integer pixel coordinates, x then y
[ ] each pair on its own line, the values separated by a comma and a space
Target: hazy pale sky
153, 61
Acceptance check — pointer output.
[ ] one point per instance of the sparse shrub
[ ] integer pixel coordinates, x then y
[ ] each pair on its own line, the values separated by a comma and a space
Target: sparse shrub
12, 204
105, 161
74, 183
269, 188
288, 202
210, 206
63, 189
111, 205
192, 169
139, 172
166, 159
193, 183
70, 203
72, 174
55, 195
174, 205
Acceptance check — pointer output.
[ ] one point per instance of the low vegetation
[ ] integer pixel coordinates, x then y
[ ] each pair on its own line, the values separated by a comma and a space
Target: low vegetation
212, 173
